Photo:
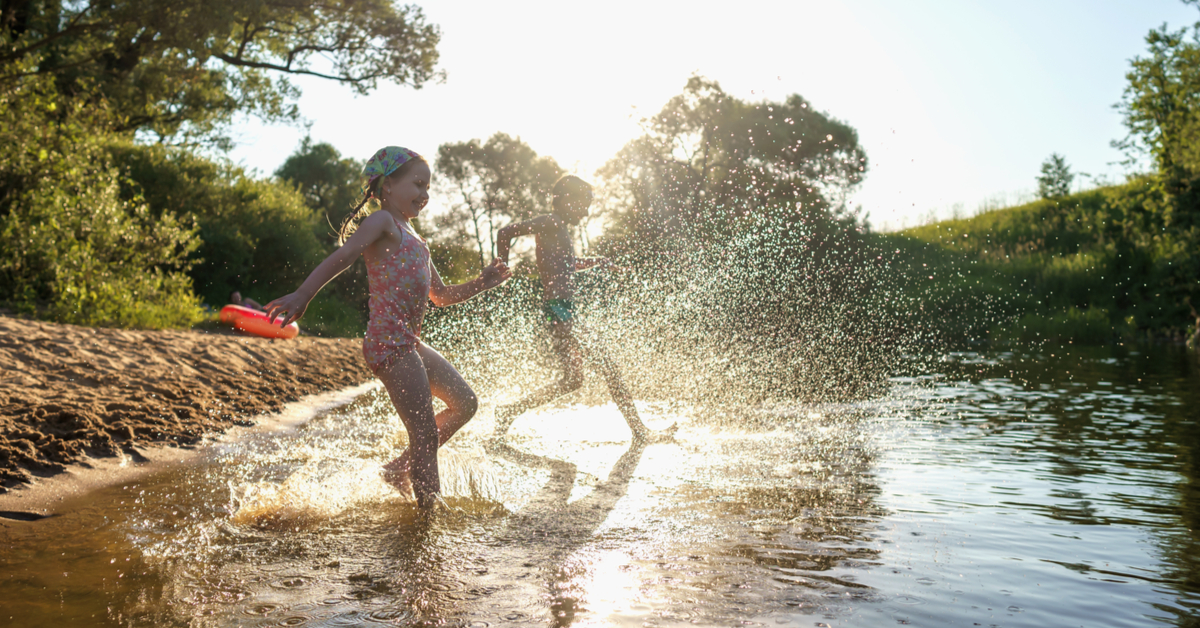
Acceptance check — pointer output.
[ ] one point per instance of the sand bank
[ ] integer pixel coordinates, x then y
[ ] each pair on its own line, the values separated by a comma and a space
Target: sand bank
78, 395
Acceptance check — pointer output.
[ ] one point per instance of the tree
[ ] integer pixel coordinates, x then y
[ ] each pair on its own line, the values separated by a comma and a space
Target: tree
329, 183
1159, 219
180, 70
1161, 107
1056, 178
710, 160
491, 184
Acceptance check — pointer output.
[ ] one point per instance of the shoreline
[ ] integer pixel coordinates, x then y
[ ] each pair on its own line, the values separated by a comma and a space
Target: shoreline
76, 398
36, 500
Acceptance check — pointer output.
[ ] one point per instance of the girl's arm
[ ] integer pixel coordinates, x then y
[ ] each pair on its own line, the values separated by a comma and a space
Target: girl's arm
505, 236
292, 306
495, 274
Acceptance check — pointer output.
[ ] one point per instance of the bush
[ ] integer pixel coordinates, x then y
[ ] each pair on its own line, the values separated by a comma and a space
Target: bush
258, 236
1087, 326
72, 247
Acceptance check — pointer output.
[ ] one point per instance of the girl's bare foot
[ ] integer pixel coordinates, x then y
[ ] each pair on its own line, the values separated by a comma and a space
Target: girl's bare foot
396, 474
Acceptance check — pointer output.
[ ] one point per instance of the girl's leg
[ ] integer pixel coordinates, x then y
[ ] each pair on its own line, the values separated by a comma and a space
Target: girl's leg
408, 385
448, 385
445, 383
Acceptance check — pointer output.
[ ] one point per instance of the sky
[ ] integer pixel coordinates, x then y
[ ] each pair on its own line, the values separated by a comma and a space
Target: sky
956, 102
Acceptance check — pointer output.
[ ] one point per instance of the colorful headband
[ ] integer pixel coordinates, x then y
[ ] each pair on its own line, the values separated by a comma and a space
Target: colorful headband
385, 162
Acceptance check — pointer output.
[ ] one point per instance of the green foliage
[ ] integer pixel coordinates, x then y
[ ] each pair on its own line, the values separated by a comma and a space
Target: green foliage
1074, 325
329, 183
490, 184
1054, 268
1161, 107
1162, 220
96, 229
711, 161
455, 263
330, 315
72, 247
258, 236
1056, 178
183, 70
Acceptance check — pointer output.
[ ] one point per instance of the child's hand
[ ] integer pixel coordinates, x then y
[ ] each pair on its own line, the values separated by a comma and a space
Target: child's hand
290, 308
606, 264
495, 274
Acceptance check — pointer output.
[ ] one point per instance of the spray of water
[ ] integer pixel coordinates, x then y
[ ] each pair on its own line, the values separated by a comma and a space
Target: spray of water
776, 313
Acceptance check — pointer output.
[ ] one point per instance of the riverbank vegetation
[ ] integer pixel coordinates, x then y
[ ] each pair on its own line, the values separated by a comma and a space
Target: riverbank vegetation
1116, 262
117, 209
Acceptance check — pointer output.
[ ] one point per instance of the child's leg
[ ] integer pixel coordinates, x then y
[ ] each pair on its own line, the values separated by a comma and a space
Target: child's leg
566, 347
446, 384
616, 384
408, 386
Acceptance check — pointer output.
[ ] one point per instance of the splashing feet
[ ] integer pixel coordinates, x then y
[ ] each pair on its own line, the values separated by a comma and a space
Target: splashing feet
397, 475
647, 436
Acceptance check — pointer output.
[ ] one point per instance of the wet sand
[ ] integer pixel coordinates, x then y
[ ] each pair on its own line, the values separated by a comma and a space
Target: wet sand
92, 397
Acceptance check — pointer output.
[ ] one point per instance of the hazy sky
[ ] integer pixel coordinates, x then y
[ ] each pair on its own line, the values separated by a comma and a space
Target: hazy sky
955, 101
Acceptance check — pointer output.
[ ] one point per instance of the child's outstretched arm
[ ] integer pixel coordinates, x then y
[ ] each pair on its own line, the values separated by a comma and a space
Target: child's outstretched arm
505, 236
292, 306
584, 263
495, 274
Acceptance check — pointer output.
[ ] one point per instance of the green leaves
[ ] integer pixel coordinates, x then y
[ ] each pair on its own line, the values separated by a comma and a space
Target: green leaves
182, 70
74, 250
489, 184
710, 160
1056, 178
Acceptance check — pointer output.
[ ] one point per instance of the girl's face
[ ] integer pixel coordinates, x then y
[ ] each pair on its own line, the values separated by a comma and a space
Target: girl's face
408, 194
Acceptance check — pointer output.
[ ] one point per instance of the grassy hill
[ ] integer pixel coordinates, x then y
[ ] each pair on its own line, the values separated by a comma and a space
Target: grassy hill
1076, 269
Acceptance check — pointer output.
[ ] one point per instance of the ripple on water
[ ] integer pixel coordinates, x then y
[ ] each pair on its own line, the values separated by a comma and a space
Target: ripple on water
797, 519
391, 615
291, 582
262, 609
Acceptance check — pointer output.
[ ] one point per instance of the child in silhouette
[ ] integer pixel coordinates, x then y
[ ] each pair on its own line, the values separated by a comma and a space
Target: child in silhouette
556, 262
236, 298
402, 280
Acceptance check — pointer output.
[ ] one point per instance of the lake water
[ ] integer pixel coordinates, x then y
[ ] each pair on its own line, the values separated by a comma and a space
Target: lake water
1047, 488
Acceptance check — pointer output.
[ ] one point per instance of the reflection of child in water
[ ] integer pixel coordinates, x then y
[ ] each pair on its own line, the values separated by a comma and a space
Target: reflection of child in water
236, 298
571, 339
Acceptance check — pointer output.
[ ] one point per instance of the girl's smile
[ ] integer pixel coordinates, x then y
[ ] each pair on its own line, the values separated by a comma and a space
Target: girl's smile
409, 195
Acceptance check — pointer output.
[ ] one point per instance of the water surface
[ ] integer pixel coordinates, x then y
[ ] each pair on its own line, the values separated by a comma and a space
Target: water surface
1005, 489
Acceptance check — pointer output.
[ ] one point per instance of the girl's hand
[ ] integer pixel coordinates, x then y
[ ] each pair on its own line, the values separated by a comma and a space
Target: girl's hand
290, 308
495, 274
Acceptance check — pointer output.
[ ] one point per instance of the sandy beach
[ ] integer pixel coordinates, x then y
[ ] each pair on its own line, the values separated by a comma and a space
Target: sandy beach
70, 395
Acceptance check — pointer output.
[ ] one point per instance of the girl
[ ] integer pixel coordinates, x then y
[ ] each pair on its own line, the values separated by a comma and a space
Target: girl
401, 280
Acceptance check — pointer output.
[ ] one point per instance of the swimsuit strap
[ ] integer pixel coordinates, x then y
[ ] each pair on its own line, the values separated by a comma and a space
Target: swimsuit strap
400, 226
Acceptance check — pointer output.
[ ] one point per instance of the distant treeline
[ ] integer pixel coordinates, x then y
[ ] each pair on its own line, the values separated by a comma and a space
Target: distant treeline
1122, 261
1094, 267
115, 208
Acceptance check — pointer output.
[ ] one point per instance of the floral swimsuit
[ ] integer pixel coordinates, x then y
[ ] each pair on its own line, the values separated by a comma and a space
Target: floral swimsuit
399, 288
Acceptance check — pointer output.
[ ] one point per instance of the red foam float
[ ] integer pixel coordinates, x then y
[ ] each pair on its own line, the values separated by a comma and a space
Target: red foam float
256, 322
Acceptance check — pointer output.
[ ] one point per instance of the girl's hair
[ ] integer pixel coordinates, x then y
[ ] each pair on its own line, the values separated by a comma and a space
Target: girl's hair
571, 186
370, 200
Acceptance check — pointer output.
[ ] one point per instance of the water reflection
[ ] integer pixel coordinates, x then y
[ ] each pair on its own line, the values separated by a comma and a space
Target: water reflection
1008, 489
